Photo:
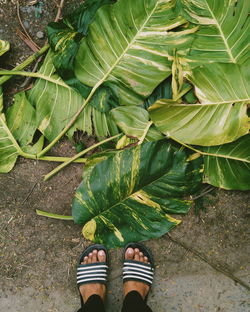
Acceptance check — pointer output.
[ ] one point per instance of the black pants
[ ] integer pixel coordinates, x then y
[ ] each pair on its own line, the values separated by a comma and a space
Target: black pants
133, 302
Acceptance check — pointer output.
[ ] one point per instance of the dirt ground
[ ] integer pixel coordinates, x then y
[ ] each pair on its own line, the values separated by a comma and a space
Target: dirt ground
39, 255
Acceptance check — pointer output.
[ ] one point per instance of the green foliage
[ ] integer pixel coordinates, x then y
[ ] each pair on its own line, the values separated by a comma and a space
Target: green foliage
147, 69
229, 168
223, 35
132, 200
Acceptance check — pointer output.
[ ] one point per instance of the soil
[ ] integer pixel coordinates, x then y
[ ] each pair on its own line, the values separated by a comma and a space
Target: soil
39, 255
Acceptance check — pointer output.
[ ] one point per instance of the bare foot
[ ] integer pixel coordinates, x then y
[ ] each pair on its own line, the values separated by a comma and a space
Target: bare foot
142, 288
88, 290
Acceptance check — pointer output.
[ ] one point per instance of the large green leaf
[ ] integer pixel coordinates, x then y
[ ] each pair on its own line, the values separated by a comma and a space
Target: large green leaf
56, 105
128, 46
222, 116
229, 168
224, 35
131, 200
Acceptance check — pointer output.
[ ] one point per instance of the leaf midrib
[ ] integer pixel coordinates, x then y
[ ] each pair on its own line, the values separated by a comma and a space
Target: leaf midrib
222, 34
127, 48
127, 197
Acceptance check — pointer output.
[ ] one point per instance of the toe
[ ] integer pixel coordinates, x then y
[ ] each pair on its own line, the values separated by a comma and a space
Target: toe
94, 257
141, 257
85, 260
145, 259
129, 254
101, 255
137, 254
90, 258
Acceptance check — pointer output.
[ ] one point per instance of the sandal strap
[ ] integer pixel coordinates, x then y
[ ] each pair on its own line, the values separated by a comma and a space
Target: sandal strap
138, 271
92, 273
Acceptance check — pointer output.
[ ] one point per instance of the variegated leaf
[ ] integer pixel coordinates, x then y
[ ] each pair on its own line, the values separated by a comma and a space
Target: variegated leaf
223, 90
21, 119
134, 122
9, 148
4, 46
56, 105
128, 46
224, 35
133, 199
228, 166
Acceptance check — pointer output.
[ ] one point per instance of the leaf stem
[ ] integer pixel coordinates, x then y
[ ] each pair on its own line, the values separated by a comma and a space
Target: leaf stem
206, 153
63, 165
184, 91
53, 215
145, 132
28, 61
61, 159
35, 75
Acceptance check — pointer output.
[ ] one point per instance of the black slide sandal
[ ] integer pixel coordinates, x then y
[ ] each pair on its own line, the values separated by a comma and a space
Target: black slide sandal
93, 272
136, 270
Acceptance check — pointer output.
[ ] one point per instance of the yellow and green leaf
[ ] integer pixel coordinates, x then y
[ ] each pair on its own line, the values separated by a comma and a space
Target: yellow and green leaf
129, 196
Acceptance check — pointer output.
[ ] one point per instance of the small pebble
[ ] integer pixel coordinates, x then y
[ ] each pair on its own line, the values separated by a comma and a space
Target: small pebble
26, 24
40, 34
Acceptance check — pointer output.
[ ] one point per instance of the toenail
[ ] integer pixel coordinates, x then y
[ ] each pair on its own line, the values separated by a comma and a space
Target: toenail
101, 253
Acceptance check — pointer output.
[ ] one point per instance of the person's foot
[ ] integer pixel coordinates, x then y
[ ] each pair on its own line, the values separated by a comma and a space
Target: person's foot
88, 290
142, 288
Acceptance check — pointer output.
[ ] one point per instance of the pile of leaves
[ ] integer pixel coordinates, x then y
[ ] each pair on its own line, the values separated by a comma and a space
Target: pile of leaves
167, 81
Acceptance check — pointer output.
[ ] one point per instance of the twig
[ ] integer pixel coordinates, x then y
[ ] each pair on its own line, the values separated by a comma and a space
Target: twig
24, 29
59, 11
214, 266
26, 40
210, 189
30, 192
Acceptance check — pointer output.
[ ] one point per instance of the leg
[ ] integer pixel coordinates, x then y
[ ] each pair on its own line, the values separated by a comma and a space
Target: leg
93, 294
133, 302
135, 292
93, 304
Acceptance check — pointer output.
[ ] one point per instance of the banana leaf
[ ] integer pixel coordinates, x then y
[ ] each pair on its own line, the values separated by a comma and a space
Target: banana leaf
223, 90
128, 46
224, 34
228, 166
133, 199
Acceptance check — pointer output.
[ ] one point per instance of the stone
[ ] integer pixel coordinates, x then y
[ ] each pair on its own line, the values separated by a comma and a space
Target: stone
40, 34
